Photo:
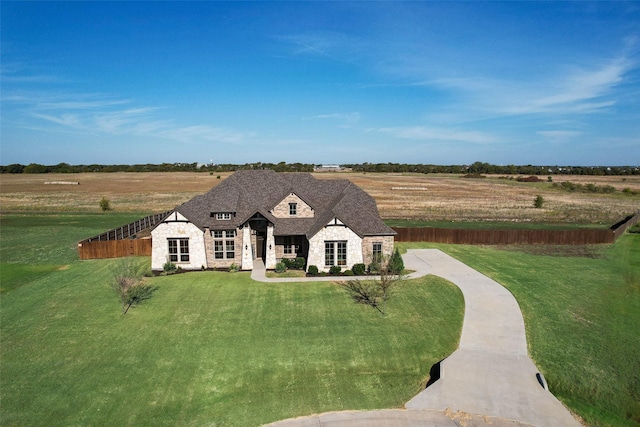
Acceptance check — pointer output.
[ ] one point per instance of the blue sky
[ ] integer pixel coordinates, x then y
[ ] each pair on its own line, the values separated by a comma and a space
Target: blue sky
540, 83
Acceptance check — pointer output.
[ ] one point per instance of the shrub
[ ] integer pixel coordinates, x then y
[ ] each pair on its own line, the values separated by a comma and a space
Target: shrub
313, 270
374, 268
169, 267
359, 269
105, 204
281, 267
299, 263
335, 269
233, 268
287, 262
538, 201
396, 264
349, 273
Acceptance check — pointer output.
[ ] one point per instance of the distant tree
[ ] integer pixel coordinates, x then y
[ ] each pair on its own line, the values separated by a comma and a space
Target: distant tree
538, 202
105, 205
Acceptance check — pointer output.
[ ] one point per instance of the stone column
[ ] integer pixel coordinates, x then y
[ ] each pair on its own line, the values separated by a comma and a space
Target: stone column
270, 258
247, 252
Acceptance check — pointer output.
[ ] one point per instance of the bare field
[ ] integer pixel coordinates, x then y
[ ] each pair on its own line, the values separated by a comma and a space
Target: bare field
400, 196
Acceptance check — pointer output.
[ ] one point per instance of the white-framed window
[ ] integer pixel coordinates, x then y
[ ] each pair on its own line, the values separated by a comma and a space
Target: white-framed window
224, 244
226, 216
293, 209
178, 250
289, 245
335, 253
376, 252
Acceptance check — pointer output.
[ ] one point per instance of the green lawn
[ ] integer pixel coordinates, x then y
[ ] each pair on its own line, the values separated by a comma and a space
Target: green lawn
213, 347
582, 315
208, 347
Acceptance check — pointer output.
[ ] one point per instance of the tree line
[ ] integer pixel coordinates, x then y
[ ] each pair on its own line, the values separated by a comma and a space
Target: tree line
474, 168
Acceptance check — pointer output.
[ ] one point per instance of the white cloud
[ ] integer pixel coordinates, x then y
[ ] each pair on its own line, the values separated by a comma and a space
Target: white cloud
438, 134
207, 133
96, 113
559, 135
576, 90
349, 118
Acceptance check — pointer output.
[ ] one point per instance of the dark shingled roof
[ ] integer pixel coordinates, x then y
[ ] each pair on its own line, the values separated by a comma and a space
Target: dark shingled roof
245, 193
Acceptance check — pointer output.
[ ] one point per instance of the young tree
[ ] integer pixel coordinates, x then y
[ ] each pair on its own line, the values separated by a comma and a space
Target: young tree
376, 292
105, 205
128, 283
538, 201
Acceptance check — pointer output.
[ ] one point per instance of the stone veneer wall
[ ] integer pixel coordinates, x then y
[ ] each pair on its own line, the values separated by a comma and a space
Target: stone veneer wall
303, 210
367, 247
222, 263
181, 229
334, 233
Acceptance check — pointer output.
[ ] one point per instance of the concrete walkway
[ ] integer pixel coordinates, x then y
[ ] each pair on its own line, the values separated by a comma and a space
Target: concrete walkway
488, 380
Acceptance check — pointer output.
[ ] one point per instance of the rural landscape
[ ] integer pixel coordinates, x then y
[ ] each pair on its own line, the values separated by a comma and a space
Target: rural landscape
215, 348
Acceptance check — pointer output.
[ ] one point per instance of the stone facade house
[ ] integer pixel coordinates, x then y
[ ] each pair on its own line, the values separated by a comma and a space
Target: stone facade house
266, 215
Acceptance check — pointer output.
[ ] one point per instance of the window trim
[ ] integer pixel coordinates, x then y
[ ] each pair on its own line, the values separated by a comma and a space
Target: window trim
223, 216
178, 249
336, 253
224, 244
376, 255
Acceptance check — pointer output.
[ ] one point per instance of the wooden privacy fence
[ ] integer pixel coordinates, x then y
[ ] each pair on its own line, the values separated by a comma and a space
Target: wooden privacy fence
114, 248
121, 241
504, 237
585, 236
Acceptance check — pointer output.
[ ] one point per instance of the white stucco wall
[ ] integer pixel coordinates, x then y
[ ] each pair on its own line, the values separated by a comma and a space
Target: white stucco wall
334, 232
176, 226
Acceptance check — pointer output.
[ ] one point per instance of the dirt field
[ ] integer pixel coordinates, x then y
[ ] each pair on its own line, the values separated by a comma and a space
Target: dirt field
410, 196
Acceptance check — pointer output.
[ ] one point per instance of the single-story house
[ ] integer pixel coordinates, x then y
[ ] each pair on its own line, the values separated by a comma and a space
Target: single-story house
261, 214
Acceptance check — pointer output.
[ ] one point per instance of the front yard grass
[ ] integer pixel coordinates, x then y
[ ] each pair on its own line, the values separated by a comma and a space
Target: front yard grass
209, 348
581, 314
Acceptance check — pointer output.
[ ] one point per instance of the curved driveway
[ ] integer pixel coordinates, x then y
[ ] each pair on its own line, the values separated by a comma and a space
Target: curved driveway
488, 380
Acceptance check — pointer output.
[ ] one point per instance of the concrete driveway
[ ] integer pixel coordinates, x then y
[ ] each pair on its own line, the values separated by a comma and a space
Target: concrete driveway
488, 380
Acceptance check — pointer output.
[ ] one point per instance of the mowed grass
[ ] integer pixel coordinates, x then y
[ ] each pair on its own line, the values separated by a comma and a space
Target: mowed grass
582, 316
34, 245
209, 348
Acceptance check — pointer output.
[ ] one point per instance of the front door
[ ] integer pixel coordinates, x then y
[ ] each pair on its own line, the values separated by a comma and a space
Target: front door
260, 246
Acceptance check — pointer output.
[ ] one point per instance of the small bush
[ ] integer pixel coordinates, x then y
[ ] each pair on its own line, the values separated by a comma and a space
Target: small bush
299, 263
234, 268
538, 202
105, 204
294, 263
313, 270
281, 267
396, 264
169, 267
374, 268
287, 262
335, 269
348, 273
359, 269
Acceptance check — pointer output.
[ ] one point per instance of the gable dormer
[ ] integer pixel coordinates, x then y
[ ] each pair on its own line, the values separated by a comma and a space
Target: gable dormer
292, 206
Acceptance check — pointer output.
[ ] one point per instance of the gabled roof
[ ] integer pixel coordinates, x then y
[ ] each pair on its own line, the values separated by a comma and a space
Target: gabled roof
245, 193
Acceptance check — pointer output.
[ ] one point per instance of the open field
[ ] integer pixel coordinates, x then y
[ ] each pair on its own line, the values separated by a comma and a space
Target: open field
411, 196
